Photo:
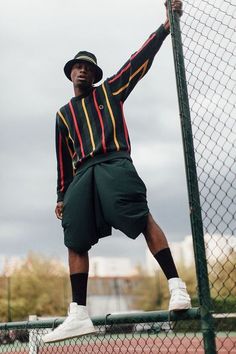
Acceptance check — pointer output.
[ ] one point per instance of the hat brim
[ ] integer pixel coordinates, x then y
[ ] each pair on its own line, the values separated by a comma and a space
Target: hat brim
69, 65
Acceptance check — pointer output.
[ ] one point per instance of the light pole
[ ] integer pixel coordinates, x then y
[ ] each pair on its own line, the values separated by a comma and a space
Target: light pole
9, 318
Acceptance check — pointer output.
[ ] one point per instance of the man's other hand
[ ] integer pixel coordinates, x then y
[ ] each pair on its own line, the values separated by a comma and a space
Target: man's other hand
59, 210
177, 6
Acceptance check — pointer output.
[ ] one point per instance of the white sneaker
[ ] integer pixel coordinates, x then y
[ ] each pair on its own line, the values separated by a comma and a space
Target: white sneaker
180, 299
76, 324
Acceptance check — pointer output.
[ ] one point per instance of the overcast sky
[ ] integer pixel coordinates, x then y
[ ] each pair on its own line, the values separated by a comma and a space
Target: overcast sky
37, 38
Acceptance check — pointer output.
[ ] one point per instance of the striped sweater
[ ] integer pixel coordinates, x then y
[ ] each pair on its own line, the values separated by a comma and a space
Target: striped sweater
93, 127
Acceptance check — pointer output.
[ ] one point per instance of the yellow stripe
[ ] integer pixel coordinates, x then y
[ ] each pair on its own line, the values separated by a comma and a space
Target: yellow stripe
112, 118
64, 121
68, 146
143, 67
89, 125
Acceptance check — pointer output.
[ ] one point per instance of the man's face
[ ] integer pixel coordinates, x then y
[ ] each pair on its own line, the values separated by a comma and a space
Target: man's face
82, 74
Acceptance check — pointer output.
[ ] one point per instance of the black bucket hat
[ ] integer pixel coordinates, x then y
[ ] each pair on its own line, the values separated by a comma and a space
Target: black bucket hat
84, 56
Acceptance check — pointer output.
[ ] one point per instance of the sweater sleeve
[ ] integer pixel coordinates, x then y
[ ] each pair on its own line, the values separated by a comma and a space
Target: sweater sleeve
64, 154
136, 67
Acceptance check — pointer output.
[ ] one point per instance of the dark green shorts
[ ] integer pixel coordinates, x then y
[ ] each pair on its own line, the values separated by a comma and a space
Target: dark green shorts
105, 195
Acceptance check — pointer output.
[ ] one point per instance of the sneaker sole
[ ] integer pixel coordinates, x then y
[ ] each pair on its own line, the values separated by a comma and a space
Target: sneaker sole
180, 307
90, 331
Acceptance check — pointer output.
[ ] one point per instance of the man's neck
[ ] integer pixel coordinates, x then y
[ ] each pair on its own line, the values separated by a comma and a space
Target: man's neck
82, 91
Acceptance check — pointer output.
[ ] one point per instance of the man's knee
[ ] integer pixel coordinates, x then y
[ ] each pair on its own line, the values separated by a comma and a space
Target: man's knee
74, 254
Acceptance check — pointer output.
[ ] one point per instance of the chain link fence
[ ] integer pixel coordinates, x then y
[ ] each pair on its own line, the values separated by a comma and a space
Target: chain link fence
208, 38
150, 332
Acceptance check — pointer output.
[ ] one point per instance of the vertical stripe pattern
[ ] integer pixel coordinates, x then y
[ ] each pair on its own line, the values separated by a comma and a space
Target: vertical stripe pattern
61, 165
64, 121
112, 118
93, 125
125, 128
101, 122
88, 123
77, 128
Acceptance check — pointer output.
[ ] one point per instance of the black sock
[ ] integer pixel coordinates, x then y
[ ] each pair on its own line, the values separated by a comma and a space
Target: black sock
79, 287
165, 259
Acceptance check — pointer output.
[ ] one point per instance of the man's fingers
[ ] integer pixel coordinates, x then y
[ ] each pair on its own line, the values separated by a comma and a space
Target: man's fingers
58, 212
59, 216
176, 5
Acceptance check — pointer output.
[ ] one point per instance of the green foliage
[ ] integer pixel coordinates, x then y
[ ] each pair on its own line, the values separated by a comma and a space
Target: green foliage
221, 324
152, 292
39, 286
222, 277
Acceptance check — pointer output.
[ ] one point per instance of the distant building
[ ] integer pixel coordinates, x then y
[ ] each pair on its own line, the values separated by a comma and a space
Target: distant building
110, 285
111, 267
217, 247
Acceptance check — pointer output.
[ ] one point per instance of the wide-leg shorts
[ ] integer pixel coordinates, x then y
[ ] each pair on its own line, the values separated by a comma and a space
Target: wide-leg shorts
105, 195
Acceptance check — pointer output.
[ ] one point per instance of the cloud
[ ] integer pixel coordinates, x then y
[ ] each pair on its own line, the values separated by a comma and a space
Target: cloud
37, 38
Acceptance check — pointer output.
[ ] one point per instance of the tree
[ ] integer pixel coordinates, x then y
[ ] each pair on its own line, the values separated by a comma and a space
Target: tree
222, 277
152, 291
39, 286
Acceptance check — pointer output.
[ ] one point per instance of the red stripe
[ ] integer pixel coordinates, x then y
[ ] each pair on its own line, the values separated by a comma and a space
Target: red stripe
101, 122
144, 45
61, 164
125, 127
77, 128
120, 73
132, 57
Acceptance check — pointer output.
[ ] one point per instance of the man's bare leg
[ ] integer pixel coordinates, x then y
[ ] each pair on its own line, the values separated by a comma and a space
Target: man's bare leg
79, 268
154, 236
159, 247
78, 263
78, 322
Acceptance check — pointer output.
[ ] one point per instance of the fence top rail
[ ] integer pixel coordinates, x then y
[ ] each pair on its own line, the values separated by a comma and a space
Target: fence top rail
224, 315
109, 319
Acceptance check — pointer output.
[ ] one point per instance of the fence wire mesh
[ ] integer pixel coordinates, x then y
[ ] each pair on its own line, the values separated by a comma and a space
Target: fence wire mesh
209, 38
154, 333
136, 339
114, 335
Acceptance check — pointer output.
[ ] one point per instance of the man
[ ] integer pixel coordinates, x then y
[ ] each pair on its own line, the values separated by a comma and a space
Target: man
98, 186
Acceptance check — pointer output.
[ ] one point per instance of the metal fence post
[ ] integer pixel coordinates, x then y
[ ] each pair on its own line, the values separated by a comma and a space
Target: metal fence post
33, 337
192, 185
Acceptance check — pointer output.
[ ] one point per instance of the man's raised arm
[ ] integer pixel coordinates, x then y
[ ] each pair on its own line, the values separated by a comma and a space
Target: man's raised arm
123, 82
